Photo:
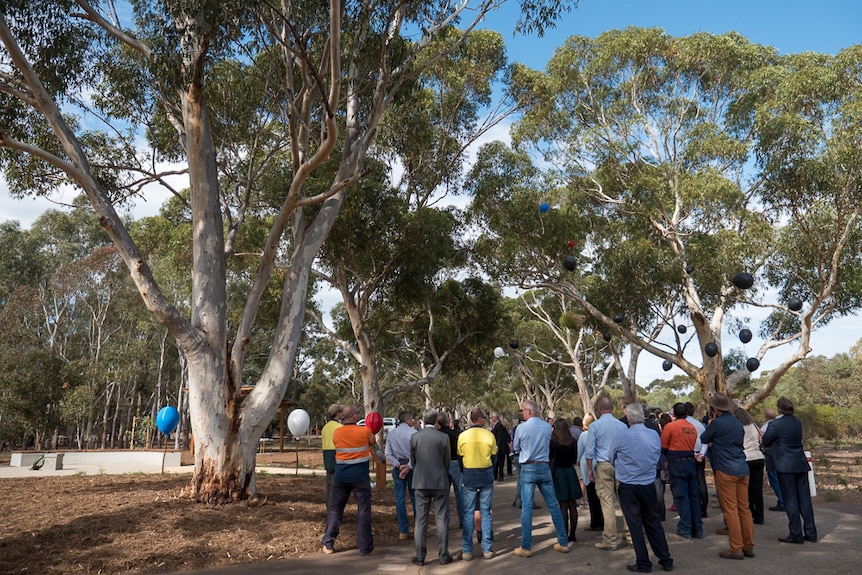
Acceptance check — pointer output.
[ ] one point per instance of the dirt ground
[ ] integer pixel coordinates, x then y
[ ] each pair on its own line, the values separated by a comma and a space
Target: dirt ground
140, 523
113, 524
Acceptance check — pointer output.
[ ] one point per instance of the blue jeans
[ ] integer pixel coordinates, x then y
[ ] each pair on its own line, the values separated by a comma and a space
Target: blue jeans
539, 475
772, 477
401, 487
683, 484
469, 495
455, 476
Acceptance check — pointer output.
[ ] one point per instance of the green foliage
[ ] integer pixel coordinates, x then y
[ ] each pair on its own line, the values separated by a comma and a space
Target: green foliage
31, 380
830, 422
22, 263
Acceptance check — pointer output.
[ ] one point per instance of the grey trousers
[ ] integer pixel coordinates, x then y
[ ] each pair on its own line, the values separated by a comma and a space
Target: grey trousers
424, 499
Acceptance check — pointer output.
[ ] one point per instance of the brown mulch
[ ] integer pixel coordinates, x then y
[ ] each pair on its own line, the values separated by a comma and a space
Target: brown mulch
139, 523
112, 524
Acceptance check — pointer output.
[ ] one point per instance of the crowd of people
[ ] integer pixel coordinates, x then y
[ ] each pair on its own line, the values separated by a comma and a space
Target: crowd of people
617, 468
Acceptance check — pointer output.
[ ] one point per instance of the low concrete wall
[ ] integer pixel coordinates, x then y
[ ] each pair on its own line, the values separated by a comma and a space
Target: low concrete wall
52, 460
72, 458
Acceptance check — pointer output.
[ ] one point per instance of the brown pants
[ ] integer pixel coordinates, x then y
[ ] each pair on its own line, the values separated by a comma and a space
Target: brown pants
733, 498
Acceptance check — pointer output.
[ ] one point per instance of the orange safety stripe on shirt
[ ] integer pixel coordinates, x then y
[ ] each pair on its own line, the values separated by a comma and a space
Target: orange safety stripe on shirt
352, 444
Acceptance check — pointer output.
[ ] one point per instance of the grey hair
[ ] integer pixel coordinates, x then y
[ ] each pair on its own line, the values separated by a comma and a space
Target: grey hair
634, 413
429, 416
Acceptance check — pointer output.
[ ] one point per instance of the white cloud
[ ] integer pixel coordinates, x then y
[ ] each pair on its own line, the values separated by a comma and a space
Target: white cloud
28, 209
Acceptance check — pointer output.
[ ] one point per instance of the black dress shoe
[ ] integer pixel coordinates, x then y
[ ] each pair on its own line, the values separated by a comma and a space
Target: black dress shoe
417, 561
811, 539
446, 560
777, 508
638, 569
789, 540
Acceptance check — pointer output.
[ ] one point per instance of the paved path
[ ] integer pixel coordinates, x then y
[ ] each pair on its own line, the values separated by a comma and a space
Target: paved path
838, 552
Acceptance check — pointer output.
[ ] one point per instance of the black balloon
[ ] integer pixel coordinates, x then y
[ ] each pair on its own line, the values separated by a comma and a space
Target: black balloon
743, 280
745, 335
711, 349
619, 318
689, 269
752, 364
513, 343
570, 263
681, 328
666, 365
794, 303
606, 336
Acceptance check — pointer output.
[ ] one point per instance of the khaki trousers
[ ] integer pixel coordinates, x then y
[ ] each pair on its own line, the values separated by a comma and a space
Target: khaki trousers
607, 493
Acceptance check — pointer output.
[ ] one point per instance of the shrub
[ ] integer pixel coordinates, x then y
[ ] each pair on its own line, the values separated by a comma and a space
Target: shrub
829, 422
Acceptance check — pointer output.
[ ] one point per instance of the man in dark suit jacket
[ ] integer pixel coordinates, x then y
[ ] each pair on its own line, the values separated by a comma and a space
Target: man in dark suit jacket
430, 456
783, 439
501, 434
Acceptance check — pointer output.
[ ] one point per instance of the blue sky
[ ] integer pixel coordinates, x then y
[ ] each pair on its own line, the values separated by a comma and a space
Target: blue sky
790, 25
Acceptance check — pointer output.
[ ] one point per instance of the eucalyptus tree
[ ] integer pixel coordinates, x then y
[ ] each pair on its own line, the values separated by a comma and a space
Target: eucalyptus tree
396, 238
448, 342
582, 351
302, 83
809, 149
33, 374
22, 263
524, 238
672, 144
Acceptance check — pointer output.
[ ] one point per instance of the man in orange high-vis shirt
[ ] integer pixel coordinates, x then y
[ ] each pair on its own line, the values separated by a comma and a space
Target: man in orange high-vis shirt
352, 454
678, 439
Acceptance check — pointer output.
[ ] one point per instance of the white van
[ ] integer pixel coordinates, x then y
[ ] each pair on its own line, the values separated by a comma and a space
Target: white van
389, 423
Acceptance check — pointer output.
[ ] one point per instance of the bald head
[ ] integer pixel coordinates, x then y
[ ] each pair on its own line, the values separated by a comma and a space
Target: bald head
606, 405
349, 412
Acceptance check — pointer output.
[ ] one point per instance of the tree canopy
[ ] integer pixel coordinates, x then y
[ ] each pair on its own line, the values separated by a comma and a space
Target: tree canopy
270, 109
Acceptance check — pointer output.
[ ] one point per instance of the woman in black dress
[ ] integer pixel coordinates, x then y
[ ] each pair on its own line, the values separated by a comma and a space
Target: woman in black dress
564, 457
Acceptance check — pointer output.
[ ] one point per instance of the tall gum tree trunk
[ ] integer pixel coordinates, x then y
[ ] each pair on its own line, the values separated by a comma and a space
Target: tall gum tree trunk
369, 374
222, 473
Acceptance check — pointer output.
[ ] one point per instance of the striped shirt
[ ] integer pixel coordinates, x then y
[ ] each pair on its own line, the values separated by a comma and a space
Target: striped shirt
352, 453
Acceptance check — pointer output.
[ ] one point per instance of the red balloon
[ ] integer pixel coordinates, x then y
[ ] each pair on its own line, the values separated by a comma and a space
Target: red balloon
374, 422
570, 244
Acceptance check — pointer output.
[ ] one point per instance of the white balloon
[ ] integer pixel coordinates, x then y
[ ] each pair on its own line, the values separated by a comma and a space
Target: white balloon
297, 422
499, 352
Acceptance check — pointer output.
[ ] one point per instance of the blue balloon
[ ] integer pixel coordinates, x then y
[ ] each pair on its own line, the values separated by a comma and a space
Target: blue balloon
167, 419
544, 207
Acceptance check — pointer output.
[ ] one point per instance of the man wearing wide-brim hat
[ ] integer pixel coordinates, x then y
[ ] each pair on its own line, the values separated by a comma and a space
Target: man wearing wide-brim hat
724, 436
